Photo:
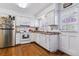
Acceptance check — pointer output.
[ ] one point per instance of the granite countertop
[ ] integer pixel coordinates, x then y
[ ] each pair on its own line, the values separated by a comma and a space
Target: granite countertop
46, 33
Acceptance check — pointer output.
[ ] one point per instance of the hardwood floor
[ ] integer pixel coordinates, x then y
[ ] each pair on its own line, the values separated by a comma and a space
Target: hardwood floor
28, 50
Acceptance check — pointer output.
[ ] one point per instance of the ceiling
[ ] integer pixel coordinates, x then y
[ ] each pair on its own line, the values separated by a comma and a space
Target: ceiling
32, 8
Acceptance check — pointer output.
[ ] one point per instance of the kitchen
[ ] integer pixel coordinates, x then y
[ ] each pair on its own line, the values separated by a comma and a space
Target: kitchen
39, 29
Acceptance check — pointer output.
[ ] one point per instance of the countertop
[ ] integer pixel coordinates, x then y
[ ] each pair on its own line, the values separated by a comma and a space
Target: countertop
46, 33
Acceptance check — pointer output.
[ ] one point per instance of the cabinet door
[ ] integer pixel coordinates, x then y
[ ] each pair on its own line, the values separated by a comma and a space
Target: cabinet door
51, 18
18, 38
53, 43
74, 42
47, 43
32, 36
38, 38
42, 40
64, 42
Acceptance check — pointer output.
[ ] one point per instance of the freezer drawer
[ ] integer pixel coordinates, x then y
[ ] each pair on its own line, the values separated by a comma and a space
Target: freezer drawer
6, 38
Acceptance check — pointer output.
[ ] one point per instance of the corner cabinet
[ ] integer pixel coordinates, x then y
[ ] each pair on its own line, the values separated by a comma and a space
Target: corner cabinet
49, 42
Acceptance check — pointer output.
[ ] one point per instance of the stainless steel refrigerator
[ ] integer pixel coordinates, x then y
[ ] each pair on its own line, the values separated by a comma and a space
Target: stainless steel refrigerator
7, 32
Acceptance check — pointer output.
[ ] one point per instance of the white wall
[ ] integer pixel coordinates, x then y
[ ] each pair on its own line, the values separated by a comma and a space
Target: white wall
7, 12
27, 21
20, 18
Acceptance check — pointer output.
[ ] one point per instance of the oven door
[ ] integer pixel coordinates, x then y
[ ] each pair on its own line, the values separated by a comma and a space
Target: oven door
25, 37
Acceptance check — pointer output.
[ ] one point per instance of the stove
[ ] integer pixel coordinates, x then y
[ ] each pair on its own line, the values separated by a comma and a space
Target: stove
25, 36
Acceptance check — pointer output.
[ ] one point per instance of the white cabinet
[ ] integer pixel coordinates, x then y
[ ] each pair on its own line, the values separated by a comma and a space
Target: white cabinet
44, 42
49, 42
37, 38
64, 42
18, 38
53, 41
74, 42
68, 43
51, 18
41, 39
32, 37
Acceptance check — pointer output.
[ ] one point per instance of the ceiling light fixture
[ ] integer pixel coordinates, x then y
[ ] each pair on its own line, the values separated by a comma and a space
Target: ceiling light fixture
22, 5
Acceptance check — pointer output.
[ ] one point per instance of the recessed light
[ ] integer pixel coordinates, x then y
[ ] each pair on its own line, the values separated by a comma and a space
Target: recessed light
22, 5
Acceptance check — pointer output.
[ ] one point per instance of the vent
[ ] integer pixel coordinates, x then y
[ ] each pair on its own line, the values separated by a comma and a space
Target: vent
65, 5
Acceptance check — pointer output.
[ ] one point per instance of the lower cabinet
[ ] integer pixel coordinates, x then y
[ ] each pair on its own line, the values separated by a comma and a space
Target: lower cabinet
49, 42
44, 42
53, 41
69, 44
18, 38
41, 40
74, 42
64, 42
38, 38
32, 37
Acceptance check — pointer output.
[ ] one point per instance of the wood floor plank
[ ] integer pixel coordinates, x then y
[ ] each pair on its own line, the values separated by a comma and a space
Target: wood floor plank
27, 50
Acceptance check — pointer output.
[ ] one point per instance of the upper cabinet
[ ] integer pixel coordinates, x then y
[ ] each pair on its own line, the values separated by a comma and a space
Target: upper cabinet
49, 15
50, 18
69, 18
